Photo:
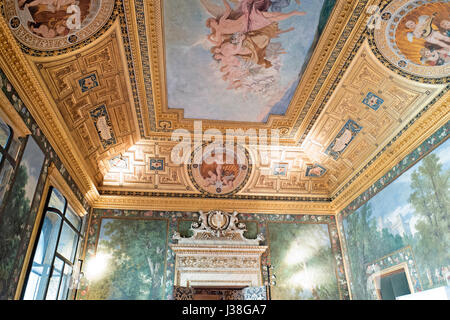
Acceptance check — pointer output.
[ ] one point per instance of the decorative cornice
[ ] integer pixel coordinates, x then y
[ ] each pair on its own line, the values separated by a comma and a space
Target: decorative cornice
19, 71
418, 130
189, 204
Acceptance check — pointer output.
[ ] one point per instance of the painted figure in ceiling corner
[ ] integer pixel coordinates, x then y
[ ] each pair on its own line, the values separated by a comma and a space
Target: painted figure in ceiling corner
423, 35
242, 41
54, 18
414, 36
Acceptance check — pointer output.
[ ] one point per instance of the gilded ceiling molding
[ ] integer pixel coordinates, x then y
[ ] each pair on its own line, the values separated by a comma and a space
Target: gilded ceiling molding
343, 32
89, 86
431, 120
17, 68
345, 49
189, 204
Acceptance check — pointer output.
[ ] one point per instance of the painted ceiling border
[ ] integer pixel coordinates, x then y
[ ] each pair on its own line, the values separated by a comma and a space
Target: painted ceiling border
345, 33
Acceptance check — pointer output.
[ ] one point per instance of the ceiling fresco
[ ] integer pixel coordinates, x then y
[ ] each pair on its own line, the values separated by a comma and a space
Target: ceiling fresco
415, 36
56, 24
122, 76
223, 58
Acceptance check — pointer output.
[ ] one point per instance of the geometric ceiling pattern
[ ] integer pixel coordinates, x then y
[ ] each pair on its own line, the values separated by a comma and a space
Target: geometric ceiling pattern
336, 81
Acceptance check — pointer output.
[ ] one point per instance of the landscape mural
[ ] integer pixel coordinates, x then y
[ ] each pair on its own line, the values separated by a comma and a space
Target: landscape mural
410, 214
239, 54
18, 209
303, 262
138, 263
138, 249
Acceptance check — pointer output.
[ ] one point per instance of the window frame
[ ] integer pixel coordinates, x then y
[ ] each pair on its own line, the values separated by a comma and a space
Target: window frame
55, 253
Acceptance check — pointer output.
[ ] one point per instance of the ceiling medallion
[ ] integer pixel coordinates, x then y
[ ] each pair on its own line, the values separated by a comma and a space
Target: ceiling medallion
57, 24
219, 170
414, 36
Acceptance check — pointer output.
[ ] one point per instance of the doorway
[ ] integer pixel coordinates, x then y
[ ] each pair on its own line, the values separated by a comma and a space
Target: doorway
393, 284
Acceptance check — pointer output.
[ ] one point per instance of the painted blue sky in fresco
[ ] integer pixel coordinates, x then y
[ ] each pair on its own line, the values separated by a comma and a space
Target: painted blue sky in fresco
32, 160
392, 202
193, 81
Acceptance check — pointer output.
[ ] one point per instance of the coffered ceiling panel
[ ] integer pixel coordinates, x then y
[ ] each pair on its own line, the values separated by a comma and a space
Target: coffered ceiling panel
92, 92
332, 78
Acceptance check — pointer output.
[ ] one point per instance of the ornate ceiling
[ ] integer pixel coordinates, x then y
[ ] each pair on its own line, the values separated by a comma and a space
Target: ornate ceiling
111, 82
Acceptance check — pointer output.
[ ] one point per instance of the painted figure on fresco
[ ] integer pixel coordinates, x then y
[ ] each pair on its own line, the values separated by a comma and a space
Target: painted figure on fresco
373, 101
423, 35
315, 170
423, 29
343, 139
280, 169
216, 172
54, 18
242, 40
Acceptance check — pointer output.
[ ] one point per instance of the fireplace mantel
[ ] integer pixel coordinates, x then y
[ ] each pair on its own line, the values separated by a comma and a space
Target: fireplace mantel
218, 254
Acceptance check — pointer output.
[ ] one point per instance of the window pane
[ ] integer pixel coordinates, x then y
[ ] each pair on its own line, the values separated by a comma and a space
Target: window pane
5, 179
32, 285
64, 287
67, 242
53, 286
73, 218
43, 256
5, 133
57, 200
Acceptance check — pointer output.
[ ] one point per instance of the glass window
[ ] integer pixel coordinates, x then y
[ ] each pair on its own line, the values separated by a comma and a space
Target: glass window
73, 218
54, 255
53, 287
57, 200
43, 256
65, 281
67, 242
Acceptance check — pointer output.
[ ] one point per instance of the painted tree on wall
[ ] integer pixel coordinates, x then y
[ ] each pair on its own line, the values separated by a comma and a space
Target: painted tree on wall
137, 249
365, 244
12, 220
412, 211
431, 201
